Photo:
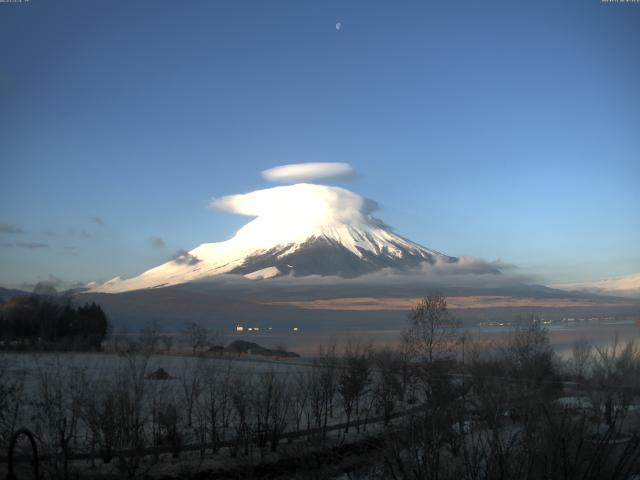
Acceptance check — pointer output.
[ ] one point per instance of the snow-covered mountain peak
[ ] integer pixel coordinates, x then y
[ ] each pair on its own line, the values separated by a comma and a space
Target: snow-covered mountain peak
301, 229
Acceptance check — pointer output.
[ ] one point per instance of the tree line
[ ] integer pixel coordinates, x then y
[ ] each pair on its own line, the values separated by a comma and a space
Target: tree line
46, 322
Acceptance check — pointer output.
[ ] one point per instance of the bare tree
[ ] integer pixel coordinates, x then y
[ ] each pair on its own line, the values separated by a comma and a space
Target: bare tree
216, 338
299, 399
167, 342
122, 341
195, 335
241, 399
168, 419
581, 356
486, 449
216, 403
328, 383
321, 381
270, 409
56, 405
419, 449
316, 393
191, 386
329, 361
353, 379
123, 414
388, 384
432, 329
531, 360
11, 399
150, 336
616, 376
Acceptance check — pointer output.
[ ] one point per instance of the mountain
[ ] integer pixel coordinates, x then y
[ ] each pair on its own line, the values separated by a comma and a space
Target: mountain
299, 230
315, 257
627, 286
7, 294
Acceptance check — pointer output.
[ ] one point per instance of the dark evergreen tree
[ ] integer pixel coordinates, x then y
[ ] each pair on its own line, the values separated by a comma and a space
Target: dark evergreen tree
39, 320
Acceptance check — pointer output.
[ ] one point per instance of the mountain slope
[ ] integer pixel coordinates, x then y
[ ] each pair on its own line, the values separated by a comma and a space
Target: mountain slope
299, 230
7, 294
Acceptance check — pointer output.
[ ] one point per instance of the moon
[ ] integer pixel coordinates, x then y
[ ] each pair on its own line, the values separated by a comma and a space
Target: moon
338, 26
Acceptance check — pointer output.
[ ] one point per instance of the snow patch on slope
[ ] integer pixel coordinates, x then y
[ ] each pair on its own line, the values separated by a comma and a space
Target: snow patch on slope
269, 272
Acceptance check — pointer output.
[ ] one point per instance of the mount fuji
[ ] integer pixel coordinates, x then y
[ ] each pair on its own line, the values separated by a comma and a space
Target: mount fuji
299, 230
315, 255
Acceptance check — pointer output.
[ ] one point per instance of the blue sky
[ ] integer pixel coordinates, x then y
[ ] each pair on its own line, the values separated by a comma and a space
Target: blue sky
494, 129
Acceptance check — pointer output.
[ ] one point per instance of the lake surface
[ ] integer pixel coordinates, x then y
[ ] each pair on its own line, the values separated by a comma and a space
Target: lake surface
562, 336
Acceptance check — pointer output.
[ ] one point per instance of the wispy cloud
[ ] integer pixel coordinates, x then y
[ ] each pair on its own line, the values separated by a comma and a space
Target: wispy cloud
419, 280
81, 233
27, 245
467, 265
309, 172
31, 245
157, 242
10, 228
46, 286
98, 221
182, 257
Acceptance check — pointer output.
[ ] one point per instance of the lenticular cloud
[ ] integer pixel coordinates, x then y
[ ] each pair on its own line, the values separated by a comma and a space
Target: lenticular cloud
309, 172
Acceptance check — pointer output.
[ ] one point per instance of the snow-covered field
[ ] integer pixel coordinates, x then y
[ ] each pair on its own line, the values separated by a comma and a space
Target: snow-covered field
96, 369
99, 402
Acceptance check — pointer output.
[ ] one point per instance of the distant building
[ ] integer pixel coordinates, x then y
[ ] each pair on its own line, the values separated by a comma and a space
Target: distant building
242, 328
